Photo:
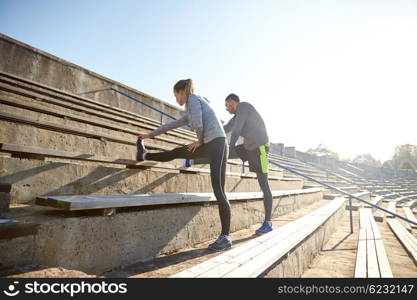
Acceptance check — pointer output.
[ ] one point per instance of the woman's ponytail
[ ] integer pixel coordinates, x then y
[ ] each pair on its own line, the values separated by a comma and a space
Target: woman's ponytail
186, 85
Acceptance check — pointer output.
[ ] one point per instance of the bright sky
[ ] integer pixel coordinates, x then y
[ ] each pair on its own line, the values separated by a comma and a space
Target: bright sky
342, 73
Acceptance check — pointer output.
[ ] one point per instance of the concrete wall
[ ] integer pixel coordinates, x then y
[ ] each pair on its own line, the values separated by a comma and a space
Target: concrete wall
95, 244
4, 201
289, 151
277, 148
30, 63
30, 178
298, 260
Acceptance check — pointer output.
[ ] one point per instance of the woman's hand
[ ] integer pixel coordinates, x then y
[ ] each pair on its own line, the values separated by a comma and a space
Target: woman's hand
191, 147
144, 136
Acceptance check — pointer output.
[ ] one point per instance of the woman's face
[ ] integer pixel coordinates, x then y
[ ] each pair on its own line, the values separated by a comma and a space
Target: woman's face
180, 97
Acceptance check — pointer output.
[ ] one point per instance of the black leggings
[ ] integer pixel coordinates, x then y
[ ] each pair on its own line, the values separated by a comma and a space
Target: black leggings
217, 152
264, 184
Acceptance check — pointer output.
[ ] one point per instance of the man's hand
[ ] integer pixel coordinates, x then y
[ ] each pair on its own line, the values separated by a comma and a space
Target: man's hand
144, 136
191, 147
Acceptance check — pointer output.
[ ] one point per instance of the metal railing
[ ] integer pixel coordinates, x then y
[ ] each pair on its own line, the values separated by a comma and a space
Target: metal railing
344, 193
328, 172
131, 98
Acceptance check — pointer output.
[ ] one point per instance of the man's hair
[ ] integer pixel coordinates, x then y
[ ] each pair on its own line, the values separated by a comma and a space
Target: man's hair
233, 97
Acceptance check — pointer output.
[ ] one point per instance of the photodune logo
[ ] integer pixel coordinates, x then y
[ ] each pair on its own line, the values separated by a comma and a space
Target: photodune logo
11, 290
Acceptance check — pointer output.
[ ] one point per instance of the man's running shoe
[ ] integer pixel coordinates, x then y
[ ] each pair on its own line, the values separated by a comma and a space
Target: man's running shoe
265, 228
187, 163
141, 150
223, 242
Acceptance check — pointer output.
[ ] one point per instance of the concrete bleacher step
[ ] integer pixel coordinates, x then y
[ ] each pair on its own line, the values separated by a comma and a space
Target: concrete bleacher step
406, 238
259, 256
25, 87
353, 167
409, 215
375, 200
59, 124
379, 215
58, 137
82, 118
104, 138
89, 120
338, 184
349, 173
74, 130
315, 176
400, 200
10, 229
399, 190
372, 260
32, 152
357, 204
76, 168
27, 151
86, 202
291, 160
332, 173
330, 196
301, 168
4, 197
72, 236
381, 192
413, 197
391, 196
412, 203
175, 262
350, 189
341, 251
85, 112
392, 207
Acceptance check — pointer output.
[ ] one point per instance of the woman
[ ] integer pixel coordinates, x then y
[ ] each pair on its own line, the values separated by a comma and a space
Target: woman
211, 144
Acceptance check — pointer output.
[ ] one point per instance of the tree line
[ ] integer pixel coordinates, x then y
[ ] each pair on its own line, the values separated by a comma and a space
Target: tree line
404, 158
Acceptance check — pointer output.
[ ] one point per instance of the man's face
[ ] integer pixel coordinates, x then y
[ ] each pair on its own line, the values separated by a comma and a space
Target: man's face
231, 106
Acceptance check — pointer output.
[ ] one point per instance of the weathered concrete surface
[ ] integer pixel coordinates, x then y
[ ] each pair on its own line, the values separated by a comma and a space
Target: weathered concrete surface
45, 272
4, 201
95, 244
172, 263
28, 135
65, 107
23, 133
341, 250
28, 62
298, 260
31, 178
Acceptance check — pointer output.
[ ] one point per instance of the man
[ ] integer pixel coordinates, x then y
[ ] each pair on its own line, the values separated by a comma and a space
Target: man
249, 125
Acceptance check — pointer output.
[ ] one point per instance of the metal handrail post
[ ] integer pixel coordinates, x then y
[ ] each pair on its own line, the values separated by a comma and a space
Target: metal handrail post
350, 212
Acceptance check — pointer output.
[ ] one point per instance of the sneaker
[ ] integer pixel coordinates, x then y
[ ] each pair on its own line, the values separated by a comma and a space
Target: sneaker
265, 228
141, 150
223, 242
187, 163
